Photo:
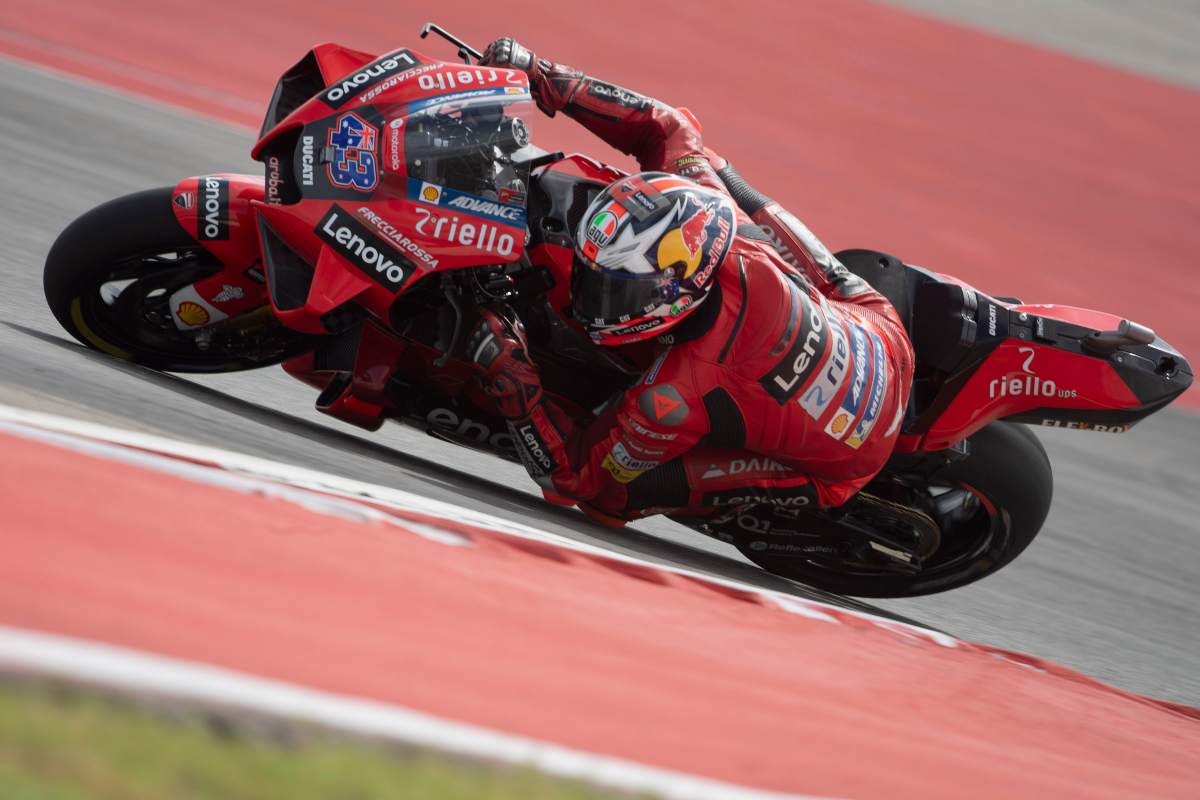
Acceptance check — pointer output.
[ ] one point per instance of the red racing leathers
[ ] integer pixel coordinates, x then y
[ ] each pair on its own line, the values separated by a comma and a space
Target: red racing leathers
786, 386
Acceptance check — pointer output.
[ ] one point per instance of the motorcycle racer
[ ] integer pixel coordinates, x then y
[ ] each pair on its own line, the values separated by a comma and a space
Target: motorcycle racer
781, 378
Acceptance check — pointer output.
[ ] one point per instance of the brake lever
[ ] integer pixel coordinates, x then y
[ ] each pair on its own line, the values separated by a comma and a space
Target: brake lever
465, 51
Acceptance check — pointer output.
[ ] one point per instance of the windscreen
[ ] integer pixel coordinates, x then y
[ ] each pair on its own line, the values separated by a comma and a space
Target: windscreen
470, 145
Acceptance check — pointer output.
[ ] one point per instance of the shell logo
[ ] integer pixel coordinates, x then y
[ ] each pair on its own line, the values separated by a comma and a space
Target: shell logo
430, 193
191, 313
840, 422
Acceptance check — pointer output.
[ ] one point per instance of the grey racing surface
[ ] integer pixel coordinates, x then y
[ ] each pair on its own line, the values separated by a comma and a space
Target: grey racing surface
1155, 38
1108, 588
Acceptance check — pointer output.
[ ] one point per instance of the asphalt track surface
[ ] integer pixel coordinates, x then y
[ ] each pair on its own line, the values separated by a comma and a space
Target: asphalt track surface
1152, 38
1108, 588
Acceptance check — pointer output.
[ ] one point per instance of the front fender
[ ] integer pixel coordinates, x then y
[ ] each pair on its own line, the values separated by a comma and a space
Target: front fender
216, 211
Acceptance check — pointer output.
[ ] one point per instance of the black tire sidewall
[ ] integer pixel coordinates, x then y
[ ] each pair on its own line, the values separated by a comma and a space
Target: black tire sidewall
84, 253
1007, 466
139, 224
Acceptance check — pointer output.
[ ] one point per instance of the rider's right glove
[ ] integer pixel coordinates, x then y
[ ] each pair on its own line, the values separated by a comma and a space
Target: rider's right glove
499, 348
507, 53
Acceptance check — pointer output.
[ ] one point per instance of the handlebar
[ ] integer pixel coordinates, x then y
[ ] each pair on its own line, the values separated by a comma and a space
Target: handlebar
465, 51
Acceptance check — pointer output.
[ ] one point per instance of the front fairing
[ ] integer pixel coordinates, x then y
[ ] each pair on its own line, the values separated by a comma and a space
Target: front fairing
389, 175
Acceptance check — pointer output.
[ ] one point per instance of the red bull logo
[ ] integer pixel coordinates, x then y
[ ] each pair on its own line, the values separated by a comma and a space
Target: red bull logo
685, 243
695, 228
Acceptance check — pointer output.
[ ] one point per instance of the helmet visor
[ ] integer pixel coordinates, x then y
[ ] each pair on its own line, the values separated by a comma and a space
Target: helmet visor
611, 298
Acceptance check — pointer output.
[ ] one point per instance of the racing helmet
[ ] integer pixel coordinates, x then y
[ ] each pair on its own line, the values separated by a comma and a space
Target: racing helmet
647, 251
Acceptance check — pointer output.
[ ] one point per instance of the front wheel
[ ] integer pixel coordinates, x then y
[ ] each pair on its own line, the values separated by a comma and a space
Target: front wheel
110, 274
988, 507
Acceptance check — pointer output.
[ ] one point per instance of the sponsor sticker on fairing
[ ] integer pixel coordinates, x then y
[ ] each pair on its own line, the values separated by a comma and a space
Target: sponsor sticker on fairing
445, 78
425, 192
463, 427
274, 180
307, 159
353, 241
394, 81
190, 310
473, 97
489, 209
395, 148
875, 394
352, 144
340, 92
451, 199
228, 293
418, 253
1028, 382
852, 402
212, 221
1075, 425
468, 232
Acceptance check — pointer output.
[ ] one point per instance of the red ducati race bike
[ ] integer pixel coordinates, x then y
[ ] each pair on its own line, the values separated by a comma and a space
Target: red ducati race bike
402, 193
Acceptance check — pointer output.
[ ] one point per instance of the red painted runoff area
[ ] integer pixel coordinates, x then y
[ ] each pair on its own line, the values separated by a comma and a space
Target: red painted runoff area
581, 650
1023, 171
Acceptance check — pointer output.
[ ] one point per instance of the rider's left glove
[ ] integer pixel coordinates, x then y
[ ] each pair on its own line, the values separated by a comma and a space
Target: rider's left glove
498, 346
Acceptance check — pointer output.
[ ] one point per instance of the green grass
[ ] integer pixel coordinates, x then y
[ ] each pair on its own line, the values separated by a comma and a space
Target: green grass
59, 743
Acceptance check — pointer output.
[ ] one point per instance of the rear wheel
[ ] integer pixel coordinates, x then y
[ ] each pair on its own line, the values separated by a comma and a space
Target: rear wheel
110, 274
987, 507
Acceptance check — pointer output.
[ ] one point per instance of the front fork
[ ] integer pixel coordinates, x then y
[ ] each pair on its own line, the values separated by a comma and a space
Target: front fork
216, 211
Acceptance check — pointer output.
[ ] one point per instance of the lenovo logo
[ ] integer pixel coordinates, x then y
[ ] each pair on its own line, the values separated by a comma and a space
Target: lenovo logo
213, 224
786, 377
337, 95
354, 242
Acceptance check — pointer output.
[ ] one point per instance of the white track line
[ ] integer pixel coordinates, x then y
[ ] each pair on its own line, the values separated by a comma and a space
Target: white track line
247, 473
134, 671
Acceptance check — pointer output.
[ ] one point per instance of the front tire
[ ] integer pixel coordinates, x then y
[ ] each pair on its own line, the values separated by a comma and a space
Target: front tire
110, 266
1007, 472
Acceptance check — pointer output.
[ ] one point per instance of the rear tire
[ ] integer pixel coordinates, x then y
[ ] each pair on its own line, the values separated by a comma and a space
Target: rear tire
127, 238
1008, 472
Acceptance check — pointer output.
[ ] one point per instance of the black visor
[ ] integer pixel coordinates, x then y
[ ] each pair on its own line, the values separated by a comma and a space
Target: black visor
610, 298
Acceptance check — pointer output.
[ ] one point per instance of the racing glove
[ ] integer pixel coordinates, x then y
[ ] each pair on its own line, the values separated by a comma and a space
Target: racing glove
507, 53
499, 348
550, 84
